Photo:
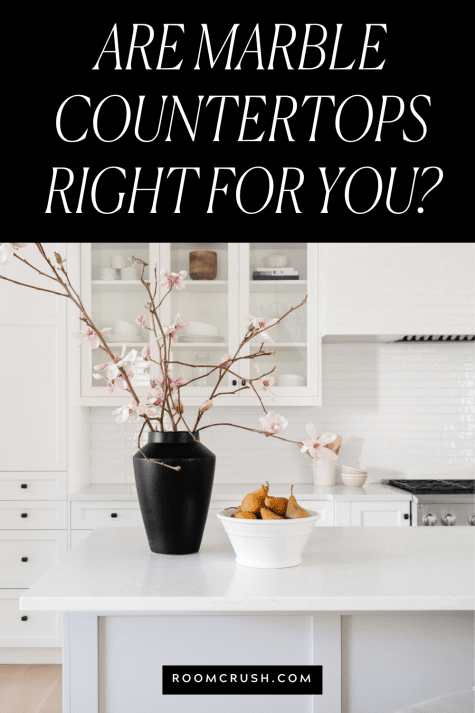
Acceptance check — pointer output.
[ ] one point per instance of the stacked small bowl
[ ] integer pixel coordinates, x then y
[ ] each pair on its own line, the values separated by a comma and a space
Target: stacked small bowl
353, 477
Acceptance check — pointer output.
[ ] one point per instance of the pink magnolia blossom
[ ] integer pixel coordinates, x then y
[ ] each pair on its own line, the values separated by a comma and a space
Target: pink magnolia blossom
145, 352
141, 321
178, 405
7, 250
126, 412
260, 323
155, 397
226, 360
316, 445
173, 278
171, 331
119, 381
264, 384
206, 405
179, 381
273, 422
113, 366
90, 337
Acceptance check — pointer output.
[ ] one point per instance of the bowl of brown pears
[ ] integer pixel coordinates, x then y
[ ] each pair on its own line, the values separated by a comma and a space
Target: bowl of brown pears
266, 531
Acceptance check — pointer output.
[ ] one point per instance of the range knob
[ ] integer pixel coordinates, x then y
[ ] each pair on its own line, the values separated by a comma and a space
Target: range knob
448, 520
471, 520
429, 520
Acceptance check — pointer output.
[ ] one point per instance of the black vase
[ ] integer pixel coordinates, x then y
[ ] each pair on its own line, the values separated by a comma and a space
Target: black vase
174, 504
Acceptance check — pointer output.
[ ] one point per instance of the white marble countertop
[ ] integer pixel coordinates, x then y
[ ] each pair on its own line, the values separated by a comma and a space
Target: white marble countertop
235, 493
343, 569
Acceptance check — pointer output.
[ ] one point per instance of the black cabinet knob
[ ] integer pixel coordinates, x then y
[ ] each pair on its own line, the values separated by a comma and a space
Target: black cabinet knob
234, 382
114, 514
406, 516
24, 559
243, 383
24, 485
24, 618
24, 514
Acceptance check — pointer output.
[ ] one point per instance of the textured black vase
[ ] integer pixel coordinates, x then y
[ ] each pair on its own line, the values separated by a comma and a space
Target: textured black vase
174, 504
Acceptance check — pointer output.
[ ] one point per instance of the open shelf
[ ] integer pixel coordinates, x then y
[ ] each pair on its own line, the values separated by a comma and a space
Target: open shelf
116, 285
206, 285
200, 345
277, 285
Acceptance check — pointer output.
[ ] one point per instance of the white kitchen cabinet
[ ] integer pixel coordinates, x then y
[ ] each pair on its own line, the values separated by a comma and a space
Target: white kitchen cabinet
26, 629
33, 486
89, 515
32, 368
223, 302
27, 556
398, 288
380, 514
33, 515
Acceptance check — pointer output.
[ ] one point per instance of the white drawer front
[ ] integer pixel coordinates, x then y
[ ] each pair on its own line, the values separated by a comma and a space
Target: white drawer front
119, 513
78, 536
33, 486
39, 629
33, 515
27, 556
324, 508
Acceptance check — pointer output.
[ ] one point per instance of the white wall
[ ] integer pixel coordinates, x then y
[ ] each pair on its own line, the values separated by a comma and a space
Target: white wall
403, 410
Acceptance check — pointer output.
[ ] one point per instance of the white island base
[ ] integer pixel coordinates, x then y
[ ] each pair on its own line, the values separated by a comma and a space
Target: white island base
387, 612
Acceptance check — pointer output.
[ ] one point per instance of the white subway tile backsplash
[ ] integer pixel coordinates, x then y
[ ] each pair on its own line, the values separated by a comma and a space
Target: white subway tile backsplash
403, 410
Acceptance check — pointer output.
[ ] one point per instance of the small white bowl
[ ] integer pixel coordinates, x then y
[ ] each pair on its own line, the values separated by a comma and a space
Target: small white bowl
268, 544
200, 329
353, 481
352, 471
289, 380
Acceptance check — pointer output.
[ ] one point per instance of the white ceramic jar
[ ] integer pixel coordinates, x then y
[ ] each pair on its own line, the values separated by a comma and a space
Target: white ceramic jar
324, 472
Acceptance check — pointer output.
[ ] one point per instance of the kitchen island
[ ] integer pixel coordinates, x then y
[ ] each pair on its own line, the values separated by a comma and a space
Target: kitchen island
387, 612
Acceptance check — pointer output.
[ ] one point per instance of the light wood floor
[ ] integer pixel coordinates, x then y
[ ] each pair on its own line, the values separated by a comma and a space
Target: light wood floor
28, 688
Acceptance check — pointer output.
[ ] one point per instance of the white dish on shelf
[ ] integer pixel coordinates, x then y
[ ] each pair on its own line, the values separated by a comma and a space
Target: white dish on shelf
201, 338
201, 329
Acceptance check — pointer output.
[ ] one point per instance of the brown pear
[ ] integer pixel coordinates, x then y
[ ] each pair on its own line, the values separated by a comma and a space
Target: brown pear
278, 505
254, 501
293, 508
267, 514
245, 515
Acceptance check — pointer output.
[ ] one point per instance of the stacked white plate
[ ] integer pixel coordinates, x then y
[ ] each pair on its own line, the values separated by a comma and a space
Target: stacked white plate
201, 338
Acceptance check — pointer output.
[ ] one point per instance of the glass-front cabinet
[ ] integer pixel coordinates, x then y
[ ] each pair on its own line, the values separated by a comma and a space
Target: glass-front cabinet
225, 283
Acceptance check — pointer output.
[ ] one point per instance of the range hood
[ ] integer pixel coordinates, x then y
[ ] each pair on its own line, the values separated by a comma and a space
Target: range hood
390, 338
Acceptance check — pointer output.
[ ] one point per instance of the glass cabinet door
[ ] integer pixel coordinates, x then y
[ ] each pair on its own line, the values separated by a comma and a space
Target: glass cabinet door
209, 304
113, 293
274, 277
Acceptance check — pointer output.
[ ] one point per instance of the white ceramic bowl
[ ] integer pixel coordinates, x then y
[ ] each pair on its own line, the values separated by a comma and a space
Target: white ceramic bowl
200, 329
268, 544
353, 481
126, 329
276, 261
350, 470
289, 380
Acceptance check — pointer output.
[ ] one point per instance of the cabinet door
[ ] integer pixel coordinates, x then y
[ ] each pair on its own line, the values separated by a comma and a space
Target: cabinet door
114, 298
32, 367
211, 308
33, 515
296, 339
27, 556
91, 514
23, 628
33, 486
381, 514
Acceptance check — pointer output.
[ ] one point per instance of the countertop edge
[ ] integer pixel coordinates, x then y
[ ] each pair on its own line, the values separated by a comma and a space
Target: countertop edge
251, 605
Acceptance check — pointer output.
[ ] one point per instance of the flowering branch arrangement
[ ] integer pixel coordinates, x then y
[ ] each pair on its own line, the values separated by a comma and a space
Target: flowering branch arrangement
163, 403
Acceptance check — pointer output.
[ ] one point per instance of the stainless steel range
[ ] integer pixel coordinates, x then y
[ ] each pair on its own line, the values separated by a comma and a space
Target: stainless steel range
441, 502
